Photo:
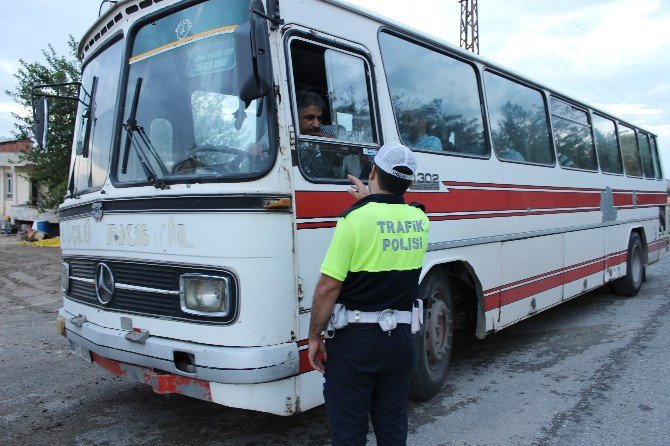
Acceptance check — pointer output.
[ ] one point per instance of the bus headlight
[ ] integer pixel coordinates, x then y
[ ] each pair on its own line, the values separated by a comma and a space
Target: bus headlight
204, 295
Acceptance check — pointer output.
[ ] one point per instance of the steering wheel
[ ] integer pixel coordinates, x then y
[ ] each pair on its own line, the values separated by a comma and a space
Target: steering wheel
188, 161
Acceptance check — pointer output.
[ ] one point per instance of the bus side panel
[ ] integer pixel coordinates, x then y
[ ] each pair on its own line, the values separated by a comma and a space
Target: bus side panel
312, 245
584, 261
531, 276
653, 243
615, 251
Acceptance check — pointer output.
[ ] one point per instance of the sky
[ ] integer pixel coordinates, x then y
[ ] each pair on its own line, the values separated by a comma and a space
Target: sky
611, 54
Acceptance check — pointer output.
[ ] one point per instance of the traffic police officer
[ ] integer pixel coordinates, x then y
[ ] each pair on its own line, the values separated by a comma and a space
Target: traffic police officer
371, 271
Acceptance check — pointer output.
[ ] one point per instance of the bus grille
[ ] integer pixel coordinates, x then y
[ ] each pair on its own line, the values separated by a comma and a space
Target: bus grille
160, 282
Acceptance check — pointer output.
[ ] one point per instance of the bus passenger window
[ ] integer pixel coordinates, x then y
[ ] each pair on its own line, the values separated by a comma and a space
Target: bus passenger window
606, 143
645, 151
335, 127
435, 99
518, 121
631, 154
572, 136
657, 160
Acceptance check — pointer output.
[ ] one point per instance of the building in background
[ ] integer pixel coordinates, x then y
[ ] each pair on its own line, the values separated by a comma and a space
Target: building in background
18, 194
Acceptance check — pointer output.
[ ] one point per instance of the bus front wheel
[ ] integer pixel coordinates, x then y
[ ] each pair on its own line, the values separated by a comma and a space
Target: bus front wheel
434, 340
630, 284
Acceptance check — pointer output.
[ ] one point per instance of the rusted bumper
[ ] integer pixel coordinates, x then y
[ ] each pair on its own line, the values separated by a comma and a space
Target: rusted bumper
210, 363
162, 383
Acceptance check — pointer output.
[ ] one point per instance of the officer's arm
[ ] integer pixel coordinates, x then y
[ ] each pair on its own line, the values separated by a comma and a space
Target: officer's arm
327, 290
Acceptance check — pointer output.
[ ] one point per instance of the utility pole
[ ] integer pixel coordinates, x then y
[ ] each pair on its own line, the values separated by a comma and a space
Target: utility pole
469, 25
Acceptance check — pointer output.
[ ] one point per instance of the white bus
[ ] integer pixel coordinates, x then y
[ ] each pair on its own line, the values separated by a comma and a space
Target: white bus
197, 213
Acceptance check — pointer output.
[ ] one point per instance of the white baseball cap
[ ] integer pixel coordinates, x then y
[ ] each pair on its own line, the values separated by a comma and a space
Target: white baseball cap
393, 155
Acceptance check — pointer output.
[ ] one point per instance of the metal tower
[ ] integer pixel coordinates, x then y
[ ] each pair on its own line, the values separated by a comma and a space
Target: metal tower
469, 25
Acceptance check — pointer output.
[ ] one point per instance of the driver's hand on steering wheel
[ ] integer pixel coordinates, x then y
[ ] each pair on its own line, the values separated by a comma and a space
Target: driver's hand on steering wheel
258, 150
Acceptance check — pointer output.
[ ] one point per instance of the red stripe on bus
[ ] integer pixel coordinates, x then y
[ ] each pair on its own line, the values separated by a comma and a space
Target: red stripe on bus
584, 271
516, 186
630, 191
522, 289
332, 224
309, 225
657, 245
330, 204
622, 199
530, 289
549, 273
508, 214
525, 213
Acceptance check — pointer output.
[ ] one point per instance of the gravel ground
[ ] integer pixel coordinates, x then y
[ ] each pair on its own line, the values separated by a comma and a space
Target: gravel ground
589, 372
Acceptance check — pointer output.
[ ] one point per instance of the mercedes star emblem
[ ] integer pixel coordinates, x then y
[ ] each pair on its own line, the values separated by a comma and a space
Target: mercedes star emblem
104, 283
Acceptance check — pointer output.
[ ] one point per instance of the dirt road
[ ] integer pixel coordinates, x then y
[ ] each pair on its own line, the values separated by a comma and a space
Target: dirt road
589, 372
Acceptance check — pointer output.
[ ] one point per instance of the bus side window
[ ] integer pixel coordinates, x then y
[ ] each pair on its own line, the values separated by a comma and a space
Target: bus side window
609, 154
572, 136
657, 160
435, 98
645, 152
335, 125
518, 120
631, 155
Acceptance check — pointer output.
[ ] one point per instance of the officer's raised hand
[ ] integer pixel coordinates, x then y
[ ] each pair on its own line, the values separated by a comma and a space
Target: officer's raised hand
358, 190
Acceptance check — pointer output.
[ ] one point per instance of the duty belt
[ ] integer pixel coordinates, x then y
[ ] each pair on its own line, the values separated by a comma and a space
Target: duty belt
366, 317
387, 319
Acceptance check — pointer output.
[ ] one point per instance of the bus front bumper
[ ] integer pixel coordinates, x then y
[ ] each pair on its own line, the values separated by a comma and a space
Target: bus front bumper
227, 365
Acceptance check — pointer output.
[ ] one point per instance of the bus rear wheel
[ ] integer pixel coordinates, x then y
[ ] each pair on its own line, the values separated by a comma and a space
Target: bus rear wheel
630, 284
434, 340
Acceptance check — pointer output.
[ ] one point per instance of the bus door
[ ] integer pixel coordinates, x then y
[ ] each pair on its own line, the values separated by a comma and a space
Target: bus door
335, 83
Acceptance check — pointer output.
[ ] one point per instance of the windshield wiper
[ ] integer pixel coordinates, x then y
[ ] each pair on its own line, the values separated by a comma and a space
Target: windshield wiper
131, 129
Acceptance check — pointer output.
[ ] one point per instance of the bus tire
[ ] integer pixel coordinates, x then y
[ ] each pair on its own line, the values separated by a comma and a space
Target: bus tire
434, 340
630, 284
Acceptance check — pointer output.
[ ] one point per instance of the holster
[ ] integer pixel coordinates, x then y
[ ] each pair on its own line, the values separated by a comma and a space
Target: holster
337, 321
417, 315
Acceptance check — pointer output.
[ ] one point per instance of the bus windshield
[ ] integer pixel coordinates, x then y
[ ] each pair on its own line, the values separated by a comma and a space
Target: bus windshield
183, 120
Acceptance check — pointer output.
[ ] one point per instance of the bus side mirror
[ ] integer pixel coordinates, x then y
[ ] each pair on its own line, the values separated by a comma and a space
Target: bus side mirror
252, 52
41, 122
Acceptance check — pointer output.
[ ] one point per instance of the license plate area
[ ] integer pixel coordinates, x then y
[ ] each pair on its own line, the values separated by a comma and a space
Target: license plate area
82, 352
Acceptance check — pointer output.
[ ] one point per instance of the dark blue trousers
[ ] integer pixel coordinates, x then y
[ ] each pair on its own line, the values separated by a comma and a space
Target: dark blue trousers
367, 375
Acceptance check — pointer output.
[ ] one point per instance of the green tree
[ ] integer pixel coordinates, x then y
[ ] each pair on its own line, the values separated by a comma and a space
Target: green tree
51, 165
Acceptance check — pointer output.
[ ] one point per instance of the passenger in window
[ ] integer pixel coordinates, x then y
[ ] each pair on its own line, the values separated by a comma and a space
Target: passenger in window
507, 153
417, 126
565, 160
